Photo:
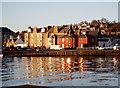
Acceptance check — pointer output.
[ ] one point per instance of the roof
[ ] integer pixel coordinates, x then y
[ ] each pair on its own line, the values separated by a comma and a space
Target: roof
105, 40
14, 40
6, 30
66, 36
19, 41
64, 30
93, 32
82, 36
51, 30
90, 36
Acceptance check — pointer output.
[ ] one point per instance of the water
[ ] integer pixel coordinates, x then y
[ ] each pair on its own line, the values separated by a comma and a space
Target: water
59, 71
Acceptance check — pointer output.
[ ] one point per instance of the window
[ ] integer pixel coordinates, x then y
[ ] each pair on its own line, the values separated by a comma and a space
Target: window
66, 39
38, 35
27, 35
50, 41
31, 35
73, 40
62, 39
69, 45
73, 45
31, 40
62, 45
40, 40
92, 40
81, 39
69, 40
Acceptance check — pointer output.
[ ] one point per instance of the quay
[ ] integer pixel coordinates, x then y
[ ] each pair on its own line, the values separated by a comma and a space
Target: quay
62, 53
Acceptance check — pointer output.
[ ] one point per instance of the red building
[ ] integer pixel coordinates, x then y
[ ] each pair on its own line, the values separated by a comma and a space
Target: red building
72, 41
67, 41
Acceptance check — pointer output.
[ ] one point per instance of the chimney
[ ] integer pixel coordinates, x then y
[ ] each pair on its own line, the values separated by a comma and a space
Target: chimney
47, 28
69, 33
18, 37
55, 29
70, 26
78, 32
35, 29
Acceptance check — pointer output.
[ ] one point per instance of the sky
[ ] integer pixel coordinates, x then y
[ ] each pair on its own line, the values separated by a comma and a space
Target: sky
19, 15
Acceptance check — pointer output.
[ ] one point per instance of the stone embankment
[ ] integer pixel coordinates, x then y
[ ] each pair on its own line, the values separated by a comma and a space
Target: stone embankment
63, 53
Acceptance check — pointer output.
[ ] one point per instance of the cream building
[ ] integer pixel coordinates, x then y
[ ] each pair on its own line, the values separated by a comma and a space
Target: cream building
42, 38
33, 39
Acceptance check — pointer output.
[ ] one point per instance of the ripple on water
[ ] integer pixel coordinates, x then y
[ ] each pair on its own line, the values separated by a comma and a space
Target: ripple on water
59, 70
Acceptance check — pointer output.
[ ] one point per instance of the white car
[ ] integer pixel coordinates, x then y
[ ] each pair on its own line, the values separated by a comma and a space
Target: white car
100, 48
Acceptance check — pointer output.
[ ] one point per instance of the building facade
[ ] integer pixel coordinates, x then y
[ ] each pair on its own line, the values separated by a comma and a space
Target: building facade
33, 39
82, 41
67, 41
5, 34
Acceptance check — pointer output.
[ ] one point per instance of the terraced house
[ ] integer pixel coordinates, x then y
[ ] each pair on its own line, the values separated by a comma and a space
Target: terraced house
65, 36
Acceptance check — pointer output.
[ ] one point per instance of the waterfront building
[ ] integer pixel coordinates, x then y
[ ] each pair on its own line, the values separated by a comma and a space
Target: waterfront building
92, 40
63, 36
19, 43
69, 38
82, 40
0, 39
52, 32
43, 38
105, 42
67, 41
10, 42
33, 39
64, 30
5, 34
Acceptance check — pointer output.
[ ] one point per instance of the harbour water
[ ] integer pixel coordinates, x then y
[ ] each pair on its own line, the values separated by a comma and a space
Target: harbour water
59, 71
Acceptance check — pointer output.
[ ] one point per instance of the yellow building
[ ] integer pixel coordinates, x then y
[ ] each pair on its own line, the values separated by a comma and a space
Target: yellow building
33, 39
10, 42
41, 38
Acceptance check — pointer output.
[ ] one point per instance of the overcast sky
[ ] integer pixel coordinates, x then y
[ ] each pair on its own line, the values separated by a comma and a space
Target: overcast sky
19, 15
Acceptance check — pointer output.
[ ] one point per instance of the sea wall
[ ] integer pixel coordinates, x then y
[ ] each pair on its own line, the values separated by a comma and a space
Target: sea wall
63, 53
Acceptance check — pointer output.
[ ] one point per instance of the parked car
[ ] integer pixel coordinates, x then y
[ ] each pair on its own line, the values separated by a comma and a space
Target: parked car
29, 49
108, 48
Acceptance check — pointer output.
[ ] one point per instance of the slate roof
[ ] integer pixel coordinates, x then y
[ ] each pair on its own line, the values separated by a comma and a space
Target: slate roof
51, 30
66, 36
6, 30
82, 36
91, 36
64, 30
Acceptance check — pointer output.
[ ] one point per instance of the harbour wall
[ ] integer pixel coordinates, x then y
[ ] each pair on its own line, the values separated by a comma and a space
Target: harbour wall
63, 53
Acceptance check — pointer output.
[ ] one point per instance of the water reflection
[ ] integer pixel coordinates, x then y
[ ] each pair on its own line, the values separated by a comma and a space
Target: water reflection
80, 71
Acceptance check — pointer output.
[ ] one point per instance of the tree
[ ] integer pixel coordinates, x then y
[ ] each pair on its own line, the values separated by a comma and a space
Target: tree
95, 24
104, 20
